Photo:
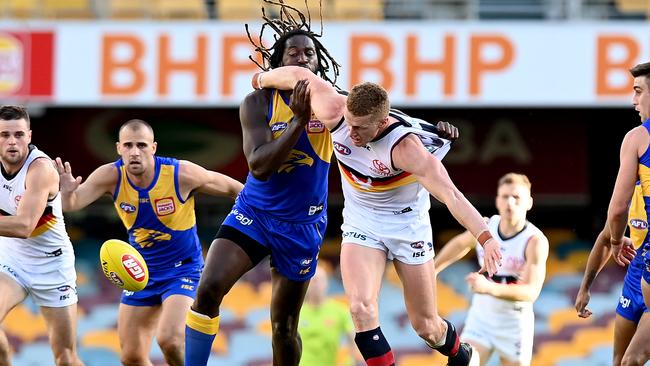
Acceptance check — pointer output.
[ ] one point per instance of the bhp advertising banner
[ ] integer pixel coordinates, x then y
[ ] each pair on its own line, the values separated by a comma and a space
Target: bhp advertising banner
422, 64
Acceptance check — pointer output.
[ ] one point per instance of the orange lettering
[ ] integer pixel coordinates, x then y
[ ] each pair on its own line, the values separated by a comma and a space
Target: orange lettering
358, 64
605, 65
445, 66
232, 66
111, 65
479, 65
197, 66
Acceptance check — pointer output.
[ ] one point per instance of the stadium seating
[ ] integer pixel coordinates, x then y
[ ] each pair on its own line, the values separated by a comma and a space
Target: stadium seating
174, 9
633, 6
356, 10
70, 9
127, 9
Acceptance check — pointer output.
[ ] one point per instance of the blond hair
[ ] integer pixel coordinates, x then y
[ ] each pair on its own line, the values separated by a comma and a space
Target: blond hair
515, 178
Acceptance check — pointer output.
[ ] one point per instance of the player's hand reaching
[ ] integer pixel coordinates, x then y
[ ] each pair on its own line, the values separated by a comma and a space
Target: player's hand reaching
623, 251
300, 102
447, 131
492, 257
67, 182
582, 299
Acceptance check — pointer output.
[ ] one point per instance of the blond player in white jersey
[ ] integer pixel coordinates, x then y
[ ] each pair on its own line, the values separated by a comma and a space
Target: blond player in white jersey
500, 319
36, 256
388, 172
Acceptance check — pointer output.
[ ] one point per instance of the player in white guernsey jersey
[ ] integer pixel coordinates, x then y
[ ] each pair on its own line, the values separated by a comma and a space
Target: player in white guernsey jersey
500, 319
389, 166
36, 256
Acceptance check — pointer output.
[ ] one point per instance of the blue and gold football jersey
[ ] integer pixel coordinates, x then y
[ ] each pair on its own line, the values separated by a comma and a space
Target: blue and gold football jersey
297, 191
160, 224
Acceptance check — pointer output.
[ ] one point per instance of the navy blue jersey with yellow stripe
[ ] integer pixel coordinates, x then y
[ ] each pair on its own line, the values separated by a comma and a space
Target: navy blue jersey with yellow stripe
297, 191
160, 223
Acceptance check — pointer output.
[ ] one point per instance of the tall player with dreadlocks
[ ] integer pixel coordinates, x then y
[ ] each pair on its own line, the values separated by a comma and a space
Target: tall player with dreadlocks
281, 212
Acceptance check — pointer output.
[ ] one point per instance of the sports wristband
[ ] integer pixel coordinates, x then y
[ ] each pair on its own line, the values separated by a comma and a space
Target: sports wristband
483, 237
257, 80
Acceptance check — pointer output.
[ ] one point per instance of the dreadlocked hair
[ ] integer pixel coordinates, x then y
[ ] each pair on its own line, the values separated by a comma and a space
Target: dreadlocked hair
292, 22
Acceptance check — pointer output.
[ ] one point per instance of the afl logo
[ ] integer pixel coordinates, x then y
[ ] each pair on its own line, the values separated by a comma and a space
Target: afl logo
417, 245
17, 199
639, 224
278, 126
342, 149
127, 207
11, 64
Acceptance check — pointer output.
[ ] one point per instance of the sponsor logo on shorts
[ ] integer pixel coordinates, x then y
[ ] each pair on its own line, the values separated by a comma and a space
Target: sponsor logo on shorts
133, 267
304, 271
403, 211
419, 254
313, 210
240, 217
66, 288
315, 126
278, 126
430, 244
352, 234
165, 206
7, 187
187, 287
380, 168
126, 207
342, 149
10, 270
624, 301
54, 253
639, 224
64, 297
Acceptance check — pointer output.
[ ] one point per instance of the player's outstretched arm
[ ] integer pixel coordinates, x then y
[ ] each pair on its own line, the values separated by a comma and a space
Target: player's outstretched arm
76, 195
41, 182
634, 144
454, 250
411, 156
532, 276
193, 177
326, 103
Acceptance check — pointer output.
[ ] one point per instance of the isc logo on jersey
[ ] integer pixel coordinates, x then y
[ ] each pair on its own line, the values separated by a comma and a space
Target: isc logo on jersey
123, 265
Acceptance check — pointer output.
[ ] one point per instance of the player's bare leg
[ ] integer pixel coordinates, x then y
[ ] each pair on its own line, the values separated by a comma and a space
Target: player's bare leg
136, 326
483, 352
419, 283
637, 352
623, 332
286, 303
11, 294
62, 332
170, 334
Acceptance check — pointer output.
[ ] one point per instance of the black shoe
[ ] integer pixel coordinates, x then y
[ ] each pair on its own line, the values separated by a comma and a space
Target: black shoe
463, 357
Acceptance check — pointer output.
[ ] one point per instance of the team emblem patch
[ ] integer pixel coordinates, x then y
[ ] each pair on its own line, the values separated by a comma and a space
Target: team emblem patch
165, 206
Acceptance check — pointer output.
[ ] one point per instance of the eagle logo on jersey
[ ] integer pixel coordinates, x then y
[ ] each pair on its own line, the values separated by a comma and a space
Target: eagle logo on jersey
146, 238
296, 158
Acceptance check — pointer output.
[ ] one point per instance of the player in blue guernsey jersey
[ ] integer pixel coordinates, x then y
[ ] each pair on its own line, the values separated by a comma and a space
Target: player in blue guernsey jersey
281, 212
634, 175
154, 198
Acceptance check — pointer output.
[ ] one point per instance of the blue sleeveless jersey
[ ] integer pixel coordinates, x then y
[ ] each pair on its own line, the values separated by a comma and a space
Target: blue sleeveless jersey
161, 225
297, 192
